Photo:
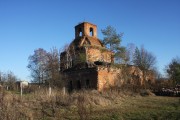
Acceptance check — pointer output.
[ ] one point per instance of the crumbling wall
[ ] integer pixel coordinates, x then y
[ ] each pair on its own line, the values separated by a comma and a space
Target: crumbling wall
107, 77
104, 77
136, 75
81, 79
110, 77
96, 54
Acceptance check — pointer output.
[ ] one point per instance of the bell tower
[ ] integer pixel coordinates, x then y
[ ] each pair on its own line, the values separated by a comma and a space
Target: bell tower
85, 29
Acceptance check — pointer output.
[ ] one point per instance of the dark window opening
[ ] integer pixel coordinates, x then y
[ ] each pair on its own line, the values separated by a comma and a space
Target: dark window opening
78, 85
70, 86
98, 63
80, 32
87, 83
77, 48
72, 63
91, 32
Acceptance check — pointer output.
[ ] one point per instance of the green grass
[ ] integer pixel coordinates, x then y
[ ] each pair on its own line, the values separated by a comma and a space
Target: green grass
141, 108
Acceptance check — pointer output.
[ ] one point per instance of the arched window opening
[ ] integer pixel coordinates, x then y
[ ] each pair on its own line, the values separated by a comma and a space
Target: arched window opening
80, 32
78, 85
91, 32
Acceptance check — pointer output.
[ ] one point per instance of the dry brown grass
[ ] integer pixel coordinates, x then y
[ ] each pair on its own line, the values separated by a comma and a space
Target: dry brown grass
12, 107
40, 105
83, 105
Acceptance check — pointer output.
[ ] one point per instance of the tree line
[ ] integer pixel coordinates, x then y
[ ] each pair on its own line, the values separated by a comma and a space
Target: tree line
140, 57
8, 80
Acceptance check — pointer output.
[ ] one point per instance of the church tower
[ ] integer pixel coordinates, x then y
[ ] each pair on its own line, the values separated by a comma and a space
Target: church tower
85, 48
85, 29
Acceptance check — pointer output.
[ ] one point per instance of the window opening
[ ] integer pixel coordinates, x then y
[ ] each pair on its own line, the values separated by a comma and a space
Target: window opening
80, 32
91, 32
78, 85
87, 83
70, 86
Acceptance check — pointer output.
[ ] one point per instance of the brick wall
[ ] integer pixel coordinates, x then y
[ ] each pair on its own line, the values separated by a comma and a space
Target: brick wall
86, 77
107, 77
94, 54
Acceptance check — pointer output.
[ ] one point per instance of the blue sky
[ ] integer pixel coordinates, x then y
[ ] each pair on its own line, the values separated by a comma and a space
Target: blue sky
26, 25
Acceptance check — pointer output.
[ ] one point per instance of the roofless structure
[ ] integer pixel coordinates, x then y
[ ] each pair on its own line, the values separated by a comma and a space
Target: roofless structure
86, 63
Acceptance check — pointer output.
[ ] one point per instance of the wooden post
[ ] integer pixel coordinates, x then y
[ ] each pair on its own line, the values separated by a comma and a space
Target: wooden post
50, 91
21, 86
64, 90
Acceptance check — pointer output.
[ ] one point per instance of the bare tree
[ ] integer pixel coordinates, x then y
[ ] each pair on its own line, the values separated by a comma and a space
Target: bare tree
53, 68
144, 60
67, 58
37, 65
130, 49
11, 80
8, 80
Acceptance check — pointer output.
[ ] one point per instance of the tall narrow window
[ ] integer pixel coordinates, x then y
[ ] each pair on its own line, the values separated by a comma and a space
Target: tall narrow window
80, 32
91, 32
78, 85
70, 86
87, 83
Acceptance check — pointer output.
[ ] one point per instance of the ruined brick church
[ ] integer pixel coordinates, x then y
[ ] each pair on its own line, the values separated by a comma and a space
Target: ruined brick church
87, 63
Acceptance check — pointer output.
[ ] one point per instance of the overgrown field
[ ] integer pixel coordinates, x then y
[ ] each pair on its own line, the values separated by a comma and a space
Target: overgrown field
87, 105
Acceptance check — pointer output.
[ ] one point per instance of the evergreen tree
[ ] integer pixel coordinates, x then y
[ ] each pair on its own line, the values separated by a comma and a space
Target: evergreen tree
173, 70
112, 41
